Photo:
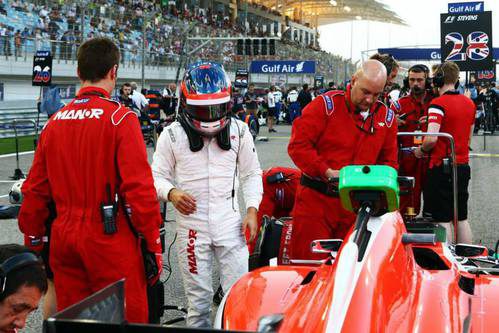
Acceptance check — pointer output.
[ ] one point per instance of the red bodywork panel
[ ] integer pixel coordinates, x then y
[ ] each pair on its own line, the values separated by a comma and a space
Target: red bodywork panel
396, 290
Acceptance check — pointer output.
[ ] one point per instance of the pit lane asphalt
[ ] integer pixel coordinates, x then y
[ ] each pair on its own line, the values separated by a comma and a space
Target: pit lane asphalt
483, 204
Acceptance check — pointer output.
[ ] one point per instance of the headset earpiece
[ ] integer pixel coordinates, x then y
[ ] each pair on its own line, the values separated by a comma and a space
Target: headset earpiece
438, 78
14, 263
422, 68
406, 83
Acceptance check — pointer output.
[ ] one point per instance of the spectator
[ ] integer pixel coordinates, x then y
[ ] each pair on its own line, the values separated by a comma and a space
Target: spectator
125, 99
250, 100
18, 43
43, 12
38, 40
271, 113
2, 9
304, 97
293, 104
138, 98
278, 104
331, 86
22, 287
170, 99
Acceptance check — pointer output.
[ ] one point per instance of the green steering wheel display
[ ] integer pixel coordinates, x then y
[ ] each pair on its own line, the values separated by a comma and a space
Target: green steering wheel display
377, 183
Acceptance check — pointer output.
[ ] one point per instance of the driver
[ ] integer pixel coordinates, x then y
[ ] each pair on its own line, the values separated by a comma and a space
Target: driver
198, 165
337, 129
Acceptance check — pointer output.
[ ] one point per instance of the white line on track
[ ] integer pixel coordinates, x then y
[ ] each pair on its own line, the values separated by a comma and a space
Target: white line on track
483, 155
4, 196
20, 154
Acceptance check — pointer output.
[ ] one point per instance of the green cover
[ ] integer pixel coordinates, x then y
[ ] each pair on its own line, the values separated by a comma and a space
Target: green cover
369, 178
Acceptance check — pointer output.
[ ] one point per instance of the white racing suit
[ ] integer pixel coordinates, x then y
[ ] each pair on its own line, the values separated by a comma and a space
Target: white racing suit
214, 230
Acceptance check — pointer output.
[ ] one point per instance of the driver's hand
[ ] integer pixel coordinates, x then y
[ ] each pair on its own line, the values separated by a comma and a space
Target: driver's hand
183, 201
250, 222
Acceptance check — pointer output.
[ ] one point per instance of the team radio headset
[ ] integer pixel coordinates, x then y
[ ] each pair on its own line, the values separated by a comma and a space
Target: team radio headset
15, 263
420, 68
428, 82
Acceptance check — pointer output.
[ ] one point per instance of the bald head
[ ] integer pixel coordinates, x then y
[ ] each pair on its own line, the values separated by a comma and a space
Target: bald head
367, 84
373, 70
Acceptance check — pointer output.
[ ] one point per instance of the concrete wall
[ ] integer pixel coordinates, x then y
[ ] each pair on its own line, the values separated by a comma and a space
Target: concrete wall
16, 77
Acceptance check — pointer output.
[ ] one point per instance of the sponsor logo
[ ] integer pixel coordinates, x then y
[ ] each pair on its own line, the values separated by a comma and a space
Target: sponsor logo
470, 7
389, 117
432, 118
435, 55
462, 18
79, 114
285, 257
329, 104
381, 124
449, 19
299, 67
191, 255
35, 241
81, 101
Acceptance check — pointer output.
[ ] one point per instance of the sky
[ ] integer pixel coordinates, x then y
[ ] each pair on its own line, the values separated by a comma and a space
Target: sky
423, 28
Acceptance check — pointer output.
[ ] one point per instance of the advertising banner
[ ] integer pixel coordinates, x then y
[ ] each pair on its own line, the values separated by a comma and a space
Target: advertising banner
466, 39
282, 67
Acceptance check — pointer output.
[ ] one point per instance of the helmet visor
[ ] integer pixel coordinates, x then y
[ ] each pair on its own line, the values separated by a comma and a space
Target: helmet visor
207, 112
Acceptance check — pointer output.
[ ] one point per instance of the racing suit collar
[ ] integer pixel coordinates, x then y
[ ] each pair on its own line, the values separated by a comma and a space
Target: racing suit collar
367, 125
93, 91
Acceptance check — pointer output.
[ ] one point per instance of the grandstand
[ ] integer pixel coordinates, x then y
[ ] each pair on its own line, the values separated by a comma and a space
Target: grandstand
154, 32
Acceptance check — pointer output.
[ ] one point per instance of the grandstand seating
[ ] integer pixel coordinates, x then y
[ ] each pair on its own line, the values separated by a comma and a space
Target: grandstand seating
122, 20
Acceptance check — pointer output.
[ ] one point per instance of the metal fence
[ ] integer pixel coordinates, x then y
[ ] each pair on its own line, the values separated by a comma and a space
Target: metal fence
215, 50
22, 120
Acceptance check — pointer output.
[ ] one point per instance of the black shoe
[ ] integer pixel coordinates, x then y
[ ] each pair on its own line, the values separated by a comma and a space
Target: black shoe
217, 298
272, 130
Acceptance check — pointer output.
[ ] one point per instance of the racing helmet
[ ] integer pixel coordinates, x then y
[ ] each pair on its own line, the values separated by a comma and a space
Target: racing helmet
15, 194
205, 95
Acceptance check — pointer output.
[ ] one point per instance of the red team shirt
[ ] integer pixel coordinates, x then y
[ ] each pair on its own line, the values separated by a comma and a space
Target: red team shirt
411, 110
456, 115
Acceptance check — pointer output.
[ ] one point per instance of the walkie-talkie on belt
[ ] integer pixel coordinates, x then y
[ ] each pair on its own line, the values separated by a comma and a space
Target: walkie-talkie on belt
108, 211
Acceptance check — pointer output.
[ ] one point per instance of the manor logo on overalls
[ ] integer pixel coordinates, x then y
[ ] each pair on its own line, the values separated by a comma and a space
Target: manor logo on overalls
79, 114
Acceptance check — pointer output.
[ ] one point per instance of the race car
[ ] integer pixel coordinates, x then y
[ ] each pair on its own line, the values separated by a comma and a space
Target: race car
387, 275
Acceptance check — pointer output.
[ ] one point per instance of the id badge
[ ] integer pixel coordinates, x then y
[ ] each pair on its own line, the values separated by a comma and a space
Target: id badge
418, 139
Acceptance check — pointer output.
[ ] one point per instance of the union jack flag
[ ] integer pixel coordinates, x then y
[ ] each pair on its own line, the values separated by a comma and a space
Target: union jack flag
478, 49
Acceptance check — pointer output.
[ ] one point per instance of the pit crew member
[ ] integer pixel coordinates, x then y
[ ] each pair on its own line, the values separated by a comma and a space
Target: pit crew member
451, 113
91, 161
338, 129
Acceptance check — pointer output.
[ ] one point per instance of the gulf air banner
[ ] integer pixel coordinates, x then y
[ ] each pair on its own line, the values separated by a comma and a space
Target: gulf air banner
282, 67
466, 39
